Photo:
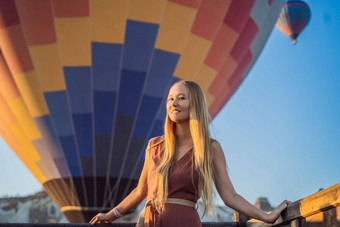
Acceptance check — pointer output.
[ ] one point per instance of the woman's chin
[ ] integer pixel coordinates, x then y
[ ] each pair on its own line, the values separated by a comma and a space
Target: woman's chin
179, 120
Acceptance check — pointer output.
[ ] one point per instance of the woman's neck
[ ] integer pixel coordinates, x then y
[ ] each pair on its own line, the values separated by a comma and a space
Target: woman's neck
183, 133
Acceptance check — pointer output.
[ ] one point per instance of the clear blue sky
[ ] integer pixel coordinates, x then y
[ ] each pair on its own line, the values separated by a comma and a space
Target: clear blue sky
280, 131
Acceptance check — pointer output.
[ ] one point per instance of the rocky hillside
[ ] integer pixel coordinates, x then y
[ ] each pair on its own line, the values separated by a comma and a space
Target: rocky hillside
37, 208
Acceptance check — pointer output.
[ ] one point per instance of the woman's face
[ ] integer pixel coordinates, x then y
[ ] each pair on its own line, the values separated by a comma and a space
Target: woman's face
178, 103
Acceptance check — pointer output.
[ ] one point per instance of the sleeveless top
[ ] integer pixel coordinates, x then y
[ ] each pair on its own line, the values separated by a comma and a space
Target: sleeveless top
182, 183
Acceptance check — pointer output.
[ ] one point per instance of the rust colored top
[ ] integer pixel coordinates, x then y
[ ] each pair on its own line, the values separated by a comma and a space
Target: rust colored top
183, 184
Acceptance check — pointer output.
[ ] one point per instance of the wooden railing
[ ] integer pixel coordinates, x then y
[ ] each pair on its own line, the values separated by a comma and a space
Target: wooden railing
319, 209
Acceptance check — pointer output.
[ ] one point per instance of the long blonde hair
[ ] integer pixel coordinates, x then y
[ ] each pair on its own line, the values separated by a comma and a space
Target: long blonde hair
199, 122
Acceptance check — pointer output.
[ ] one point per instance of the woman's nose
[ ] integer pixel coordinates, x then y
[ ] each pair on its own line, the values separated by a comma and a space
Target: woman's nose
175, 103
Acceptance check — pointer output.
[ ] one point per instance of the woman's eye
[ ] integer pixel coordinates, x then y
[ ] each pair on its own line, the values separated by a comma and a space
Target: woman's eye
170, 99
181, 98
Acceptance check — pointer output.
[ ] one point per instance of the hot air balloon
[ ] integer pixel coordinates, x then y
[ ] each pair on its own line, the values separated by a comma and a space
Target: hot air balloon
293, 18
83, 83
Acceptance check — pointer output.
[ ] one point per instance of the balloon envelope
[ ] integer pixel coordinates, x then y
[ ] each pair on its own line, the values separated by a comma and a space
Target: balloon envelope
294, 17
83, 83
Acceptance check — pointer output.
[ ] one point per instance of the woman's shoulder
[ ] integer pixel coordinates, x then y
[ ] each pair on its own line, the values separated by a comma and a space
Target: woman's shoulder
156, 140
214, 142
215, 145
155, 147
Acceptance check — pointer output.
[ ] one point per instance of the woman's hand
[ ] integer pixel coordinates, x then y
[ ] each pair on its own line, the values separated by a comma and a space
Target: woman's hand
274, 215
101, 218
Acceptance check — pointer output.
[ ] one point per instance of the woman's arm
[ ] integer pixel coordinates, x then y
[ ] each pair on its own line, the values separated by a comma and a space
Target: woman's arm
132, 200
230, 197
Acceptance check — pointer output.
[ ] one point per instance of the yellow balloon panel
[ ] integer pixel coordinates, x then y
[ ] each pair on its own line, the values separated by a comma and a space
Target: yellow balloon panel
108, 19
46, 60
204, 78
150, 11
30, 89
20, 111
175, 27
29, 152
192, 57
74, 40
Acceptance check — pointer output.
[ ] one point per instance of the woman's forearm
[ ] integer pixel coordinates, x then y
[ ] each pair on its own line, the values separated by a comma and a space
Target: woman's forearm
241, 205
132, 200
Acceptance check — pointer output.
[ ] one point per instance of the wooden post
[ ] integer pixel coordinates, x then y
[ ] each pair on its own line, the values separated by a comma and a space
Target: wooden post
240, 219
295, 223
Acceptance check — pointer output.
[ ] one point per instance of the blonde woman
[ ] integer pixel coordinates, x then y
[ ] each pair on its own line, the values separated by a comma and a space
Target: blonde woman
181, 167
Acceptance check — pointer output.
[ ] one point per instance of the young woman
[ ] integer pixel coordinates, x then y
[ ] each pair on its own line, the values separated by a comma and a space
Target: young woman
181, 166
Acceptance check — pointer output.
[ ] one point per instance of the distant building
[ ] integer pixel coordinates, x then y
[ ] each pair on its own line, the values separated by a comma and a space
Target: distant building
263, 204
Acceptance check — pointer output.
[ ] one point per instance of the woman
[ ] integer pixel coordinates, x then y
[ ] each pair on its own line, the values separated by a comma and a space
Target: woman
181, 166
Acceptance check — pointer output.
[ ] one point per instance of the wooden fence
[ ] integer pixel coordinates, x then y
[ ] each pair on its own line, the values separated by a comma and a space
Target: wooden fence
319, 209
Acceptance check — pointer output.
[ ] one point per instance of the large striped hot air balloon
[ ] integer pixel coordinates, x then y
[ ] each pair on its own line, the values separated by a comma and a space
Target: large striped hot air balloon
83, 82
294, 17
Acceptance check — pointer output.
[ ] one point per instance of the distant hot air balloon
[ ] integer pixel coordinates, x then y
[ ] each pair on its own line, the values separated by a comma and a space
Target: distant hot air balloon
83, 82
294, 17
